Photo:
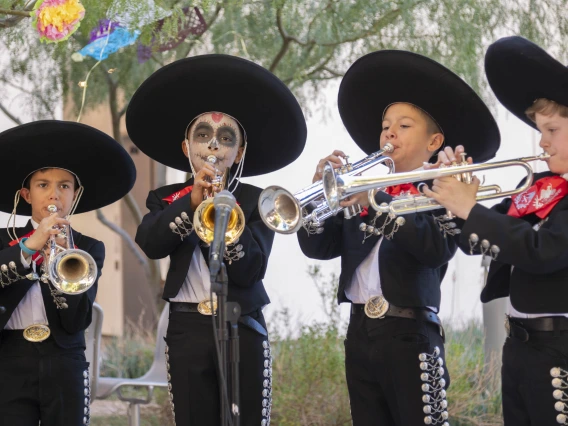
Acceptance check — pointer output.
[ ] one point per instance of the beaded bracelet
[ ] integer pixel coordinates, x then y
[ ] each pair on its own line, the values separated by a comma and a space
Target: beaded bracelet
25, 249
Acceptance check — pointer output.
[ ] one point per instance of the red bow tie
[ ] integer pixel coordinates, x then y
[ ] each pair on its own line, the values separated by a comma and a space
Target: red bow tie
395, 191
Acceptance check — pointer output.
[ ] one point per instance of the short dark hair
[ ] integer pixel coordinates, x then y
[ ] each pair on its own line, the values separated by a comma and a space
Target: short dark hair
45, 169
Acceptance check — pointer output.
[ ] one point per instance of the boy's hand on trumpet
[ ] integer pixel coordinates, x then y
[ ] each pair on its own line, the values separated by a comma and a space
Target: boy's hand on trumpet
335, 159
455, 196
448, 157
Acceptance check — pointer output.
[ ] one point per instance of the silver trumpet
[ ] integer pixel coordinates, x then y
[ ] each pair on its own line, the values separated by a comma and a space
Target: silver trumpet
286, 213
70, 270
337, 187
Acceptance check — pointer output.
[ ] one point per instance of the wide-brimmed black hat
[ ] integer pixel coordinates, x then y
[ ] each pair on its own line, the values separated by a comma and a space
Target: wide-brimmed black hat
382, 78
164, 105
104, 168
519, 72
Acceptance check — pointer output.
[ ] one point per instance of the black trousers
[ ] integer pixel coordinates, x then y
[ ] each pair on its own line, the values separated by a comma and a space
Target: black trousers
42, 382
394, 372
194, 388
527, 379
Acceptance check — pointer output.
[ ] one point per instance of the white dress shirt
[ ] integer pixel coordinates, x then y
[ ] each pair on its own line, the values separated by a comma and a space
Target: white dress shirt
31, 309
366, 281
197, 284
510, 309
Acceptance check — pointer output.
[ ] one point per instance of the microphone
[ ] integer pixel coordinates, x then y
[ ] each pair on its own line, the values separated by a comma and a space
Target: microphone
224, 203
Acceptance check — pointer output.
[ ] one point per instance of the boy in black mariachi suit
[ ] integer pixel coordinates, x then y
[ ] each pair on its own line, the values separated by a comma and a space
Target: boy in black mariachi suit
526, 236
395, 346
239, 115
43, 372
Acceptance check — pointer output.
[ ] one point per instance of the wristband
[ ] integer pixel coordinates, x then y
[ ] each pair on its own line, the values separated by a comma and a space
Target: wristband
25, 249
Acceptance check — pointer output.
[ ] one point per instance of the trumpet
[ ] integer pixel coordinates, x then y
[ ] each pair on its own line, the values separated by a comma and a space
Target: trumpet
286, 213
204, 216
70, 270
338, 187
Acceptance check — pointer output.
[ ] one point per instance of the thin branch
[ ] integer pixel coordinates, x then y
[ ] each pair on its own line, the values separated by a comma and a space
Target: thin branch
9, 115
123, 109
285, 41
29, 92
127, 240
23, 13
332, 72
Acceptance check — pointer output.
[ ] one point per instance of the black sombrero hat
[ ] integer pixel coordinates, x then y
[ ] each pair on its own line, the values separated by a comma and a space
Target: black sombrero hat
382, 78
104, 168
520, 72
164, 105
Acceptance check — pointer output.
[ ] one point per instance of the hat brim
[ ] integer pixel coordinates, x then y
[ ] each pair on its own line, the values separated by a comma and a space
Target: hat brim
104, 168
382, 78
169, 99
520, 72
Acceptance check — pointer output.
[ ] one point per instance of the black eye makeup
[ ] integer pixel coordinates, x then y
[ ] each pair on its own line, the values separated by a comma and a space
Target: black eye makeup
226, 136
203, 132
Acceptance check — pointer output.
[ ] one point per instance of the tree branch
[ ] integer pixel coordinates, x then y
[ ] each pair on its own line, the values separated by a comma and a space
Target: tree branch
127, 240
16, 17
285, 40
23, 13
9, 115
29, 92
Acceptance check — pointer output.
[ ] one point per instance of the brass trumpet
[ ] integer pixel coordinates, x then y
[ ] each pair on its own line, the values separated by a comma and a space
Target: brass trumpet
338, 187
204, 216
286, 213
70, 270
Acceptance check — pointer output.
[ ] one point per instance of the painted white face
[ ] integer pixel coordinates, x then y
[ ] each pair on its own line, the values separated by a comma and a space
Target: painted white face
217, 134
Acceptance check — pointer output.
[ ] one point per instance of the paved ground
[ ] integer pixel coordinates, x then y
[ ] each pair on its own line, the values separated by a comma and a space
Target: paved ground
103, 408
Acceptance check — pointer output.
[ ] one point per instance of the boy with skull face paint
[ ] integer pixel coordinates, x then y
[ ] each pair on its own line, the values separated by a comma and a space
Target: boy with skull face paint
228, 95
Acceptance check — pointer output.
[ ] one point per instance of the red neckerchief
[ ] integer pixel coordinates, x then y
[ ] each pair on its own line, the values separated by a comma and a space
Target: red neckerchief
178, 194
540, 198
403, 189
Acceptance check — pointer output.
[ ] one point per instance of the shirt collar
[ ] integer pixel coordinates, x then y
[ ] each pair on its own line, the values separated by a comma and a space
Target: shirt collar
34, 223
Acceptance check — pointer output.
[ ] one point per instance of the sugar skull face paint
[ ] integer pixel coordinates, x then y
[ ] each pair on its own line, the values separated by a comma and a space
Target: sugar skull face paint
217, 134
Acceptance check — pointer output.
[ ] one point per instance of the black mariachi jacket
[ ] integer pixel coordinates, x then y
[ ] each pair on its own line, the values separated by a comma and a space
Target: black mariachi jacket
539, 281
67, 325
412, 263
157, 240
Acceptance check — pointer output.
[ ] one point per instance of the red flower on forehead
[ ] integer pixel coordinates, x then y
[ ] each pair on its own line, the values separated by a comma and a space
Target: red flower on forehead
217, 117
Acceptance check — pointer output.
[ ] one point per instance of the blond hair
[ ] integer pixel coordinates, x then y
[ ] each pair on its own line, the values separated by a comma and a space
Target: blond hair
546, 107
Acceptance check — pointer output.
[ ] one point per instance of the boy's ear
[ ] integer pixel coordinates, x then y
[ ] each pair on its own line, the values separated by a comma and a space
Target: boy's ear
436, 141
25, 194
185, 147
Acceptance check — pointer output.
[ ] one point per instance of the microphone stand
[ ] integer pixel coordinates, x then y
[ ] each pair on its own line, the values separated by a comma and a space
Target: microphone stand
228, 313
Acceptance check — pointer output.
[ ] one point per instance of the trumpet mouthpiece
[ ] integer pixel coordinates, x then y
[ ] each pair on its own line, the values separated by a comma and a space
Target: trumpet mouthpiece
52, 208
211, 159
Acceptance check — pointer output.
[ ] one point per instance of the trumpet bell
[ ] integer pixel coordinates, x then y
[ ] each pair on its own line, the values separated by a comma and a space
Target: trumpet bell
280, 210
73, 271
204, 222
